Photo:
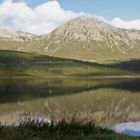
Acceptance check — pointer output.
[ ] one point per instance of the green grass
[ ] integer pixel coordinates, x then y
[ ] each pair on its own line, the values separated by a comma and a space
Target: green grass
34, 65
74, 130
11, 45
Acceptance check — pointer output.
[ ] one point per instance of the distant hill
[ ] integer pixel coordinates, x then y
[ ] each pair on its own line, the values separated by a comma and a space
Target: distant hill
12, 35
131, 65
14, 40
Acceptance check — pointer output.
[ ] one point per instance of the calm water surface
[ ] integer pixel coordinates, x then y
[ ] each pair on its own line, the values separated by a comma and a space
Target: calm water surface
106, 101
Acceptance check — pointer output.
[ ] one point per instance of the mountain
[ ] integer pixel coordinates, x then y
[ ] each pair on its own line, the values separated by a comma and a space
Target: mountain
14, 40
86, 38
12, 35
89, 38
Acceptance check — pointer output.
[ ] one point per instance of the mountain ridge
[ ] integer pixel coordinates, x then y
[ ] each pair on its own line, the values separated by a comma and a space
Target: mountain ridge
12, 35
87, 38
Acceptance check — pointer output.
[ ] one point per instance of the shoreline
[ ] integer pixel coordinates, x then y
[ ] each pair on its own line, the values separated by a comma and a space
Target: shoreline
76, 77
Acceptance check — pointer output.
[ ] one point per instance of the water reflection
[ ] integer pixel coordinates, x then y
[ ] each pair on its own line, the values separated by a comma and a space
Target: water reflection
13, 90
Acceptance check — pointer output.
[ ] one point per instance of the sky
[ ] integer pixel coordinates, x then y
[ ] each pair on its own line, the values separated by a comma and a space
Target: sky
43, 16
125, 9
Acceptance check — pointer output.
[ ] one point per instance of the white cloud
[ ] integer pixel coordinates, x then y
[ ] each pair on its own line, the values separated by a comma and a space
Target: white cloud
45, 17
135, 24
39, 20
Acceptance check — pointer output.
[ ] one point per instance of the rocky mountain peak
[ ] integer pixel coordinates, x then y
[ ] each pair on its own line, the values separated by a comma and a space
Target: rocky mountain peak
90, 38
85, 24
89, 29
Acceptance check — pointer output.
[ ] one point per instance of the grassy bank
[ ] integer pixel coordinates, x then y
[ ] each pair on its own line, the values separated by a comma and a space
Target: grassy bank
61, 131
15, 64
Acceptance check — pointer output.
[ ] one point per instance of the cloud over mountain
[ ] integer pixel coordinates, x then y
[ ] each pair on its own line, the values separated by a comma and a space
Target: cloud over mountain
135, 24
39, 20
44, 18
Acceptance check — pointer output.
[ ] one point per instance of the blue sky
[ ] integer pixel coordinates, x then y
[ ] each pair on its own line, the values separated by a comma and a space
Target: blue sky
125, 9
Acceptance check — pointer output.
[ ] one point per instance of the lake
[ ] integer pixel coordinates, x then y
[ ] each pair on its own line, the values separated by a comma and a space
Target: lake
106, 101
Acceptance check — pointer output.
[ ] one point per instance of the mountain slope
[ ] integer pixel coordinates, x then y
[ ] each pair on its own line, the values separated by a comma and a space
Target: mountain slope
86, 38
91, 39
14, 40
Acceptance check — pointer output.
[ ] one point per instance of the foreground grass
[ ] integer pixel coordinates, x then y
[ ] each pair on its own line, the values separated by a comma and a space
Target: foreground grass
60, 131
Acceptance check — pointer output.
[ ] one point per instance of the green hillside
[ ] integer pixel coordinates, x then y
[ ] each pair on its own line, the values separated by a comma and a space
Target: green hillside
96, 52
34, 65
10, 45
